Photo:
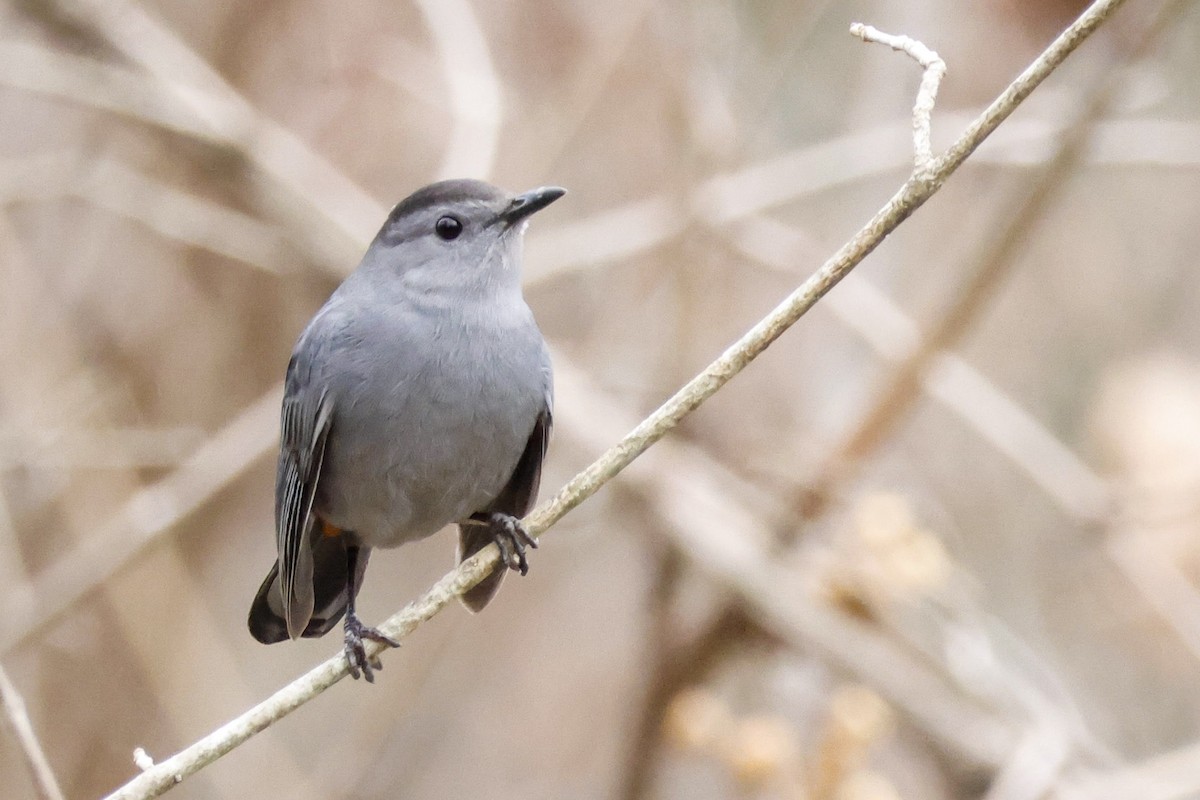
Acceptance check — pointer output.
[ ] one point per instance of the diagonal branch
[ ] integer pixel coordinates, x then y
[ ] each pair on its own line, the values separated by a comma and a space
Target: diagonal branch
911, 195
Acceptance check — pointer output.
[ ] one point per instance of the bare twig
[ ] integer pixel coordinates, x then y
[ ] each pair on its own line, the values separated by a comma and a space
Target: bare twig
952, 381
1076, 487
136, 601
17, 719
934, 70
911, 196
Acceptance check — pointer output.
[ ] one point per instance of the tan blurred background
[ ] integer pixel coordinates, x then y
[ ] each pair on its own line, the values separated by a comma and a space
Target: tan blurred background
834, 581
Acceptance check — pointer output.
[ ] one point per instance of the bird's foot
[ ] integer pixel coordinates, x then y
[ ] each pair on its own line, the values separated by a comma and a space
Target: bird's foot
511, 537
356, 652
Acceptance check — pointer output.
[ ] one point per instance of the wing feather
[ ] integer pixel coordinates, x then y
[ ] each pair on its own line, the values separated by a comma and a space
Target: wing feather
306, 420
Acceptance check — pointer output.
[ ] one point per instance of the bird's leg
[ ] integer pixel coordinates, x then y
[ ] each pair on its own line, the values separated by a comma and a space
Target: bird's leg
356, 654
510, 536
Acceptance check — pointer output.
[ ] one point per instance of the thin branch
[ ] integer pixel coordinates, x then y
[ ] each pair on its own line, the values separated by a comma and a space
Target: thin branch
915, 191
17, 719
934, 70
952, 381
699, 501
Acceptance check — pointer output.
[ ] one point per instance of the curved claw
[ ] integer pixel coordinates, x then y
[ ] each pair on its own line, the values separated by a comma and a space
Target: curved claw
511, 536
356, 654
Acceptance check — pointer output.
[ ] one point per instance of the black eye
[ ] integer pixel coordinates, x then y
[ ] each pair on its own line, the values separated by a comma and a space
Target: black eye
448, 228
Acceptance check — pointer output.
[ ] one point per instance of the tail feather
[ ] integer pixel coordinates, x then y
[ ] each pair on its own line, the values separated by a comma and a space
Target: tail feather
331, 593
472, 539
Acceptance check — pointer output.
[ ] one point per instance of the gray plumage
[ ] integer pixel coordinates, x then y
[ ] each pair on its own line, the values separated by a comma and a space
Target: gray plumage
420, 395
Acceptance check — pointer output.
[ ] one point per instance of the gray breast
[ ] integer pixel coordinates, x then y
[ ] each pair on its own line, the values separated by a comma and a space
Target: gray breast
431, 414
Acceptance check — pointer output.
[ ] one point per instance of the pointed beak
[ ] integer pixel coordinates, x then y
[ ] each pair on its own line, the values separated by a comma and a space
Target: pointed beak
530, 202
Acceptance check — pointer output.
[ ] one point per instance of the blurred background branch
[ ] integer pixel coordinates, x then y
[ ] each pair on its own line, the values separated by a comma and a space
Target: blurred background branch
19, 728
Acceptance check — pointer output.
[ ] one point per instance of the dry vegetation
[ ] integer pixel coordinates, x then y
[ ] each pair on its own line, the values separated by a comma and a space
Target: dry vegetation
976, 464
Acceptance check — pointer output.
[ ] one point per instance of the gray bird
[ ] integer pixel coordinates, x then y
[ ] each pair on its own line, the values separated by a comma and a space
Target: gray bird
420, 395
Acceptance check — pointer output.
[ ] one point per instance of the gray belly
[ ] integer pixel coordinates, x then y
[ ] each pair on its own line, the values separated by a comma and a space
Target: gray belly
423, 441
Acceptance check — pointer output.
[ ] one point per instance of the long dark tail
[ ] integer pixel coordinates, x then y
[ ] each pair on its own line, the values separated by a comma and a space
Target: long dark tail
472, 539
330, 593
